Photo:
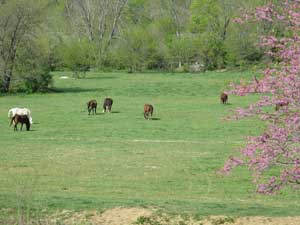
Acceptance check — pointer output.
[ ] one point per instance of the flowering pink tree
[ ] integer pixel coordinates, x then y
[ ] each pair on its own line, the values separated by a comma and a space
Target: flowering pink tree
274, 156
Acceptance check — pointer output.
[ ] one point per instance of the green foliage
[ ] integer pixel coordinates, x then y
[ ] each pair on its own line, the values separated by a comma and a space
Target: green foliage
144, 220
33, 67
78, 56
140, 35
208, 21
205, 16
139, 49
182, 49
220, 221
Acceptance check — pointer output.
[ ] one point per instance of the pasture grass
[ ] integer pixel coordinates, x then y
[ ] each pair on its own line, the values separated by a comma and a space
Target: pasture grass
70, 160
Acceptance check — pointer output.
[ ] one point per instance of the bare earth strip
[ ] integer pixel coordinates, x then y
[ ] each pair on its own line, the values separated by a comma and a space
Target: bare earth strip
140, 216
129, 216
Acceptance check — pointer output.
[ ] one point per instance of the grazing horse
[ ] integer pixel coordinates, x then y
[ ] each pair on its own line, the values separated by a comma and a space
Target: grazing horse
107, 104
20, 111
20, 119
92, 106
224, 98
148, 111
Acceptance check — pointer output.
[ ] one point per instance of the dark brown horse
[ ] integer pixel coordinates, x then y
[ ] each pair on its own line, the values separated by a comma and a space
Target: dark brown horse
224, 98
107, 104
92, 106
20, 119
148, 111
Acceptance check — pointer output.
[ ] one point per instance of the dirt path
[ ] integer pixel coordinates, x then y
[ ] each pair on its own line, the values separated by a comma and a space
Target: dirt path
140, 216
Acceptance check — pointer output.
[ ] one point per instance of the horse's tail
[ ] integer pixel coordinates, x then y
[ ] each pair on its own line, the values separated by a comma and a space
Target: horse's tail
11, 121
9, 113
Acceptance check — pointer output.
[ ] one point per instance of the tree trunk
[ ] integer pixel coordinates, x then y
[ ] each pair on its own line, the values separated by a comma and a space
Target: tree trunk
119, 10
6, 81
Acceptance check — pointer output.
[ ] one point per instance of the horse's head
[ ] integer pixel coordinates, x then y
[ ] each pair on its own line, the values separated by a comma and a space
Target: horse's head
28, 126
88, 104
27, 123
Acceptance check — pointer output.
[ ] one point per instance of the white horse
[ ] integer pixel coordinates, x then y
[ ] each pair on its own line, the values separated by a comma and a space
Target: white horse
12, 112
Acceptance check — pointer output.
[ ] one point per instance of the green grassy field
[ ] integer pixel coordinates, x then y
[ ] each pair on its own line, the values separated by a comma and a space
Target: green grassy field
74, 161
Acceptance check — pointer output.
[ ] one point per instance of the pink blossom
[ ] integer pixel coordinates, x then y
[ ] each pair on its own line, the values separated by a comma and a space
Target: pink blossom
278, 107
238, 20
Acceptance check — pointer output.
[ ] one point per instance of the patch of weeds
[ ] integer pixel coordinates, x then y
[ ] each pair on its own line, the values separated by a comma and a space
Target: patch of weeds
144, 220
89, 215
59, 222
197, 217
181, 222
185, 216
223, 221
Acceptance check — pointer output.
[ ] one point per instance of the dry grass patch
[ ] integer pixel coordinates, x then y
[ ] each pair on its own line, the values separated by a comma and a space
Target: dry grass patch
138, 216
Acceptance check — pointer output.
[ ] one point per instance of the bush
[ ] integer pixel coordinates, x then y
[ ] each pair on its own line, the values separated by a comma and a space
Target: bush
78, 56
33, 68
37, 81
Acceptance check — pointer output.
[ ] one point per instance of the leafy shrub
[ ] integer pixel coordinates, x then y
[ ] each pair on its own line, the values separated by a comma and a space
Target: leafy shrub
33, 68
78, 56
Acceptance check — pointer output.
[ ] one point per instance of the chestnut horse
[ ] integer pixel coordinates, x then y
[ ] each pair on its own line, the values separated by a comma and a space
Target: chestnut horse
224, 98
148, 111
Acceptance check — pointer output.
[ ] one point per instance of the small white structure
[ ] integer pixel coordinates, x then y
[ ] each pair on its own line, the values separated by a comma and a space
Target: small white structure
64, 77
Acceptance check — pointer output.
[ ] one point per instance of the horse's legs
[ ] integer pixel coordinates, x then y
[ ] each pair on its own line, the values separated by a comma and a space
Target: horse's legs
21, 126
15, 127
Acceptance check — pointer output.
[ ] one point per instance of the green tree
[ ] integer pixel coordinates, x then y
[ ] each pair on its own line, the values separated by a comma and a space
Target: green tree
19, 19
78, 56
137, 46
33, 66
96, 21
211, 20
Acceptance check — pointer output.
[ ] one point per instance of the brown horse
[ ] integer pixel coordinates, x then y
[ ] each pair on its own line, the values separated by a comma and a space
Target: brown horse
20, 119
148, 111
92, 106
224, 98
107, 104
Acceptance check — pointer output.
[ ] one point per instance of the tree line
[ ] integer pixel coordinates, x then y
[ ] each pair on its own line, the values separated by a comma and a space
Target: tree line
40, 36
